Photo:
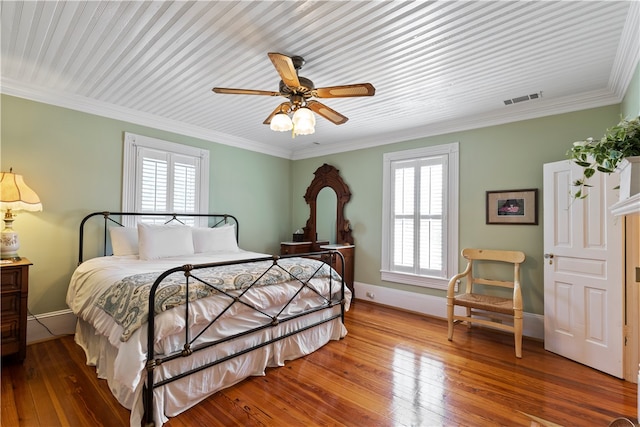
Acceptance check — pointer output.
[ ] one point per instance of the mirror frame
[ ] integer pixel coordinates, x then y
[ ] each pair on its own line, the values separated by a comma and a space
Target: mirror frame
328, 176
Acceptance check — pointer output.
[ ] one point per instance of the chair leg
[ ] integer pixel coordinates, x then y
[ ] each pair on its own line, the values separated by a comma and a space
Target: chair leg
450, 319
517, 334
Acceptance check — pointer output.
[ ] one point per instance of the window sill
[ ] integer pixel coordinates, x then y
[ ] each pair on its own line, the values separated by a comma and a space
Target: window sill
412, 279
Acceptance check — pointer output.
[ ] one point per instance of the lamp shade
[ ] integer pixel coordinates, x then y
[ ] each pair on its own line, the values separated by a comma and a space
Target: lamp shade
303, 121
281, 123
16, 195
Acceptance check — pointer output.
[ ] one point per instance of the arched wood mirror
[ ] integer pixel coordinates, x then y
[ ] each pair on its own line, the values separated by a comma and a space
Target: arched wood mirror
327, 176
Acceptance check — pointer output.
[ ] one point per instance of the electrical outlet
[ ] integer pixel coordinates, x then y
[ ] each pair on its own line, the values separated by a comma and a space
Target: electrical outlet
371, 295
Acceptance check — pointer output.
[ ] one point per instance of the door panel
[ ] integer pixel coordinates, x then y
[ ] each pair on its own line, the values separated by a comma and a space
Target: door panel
583, 281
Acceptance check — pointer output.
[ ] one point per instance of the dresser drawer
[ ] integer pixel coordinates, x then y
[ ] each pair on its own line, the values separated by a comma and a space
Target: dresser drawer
295, 248
11, 337
10, 304
292, 248
11, 279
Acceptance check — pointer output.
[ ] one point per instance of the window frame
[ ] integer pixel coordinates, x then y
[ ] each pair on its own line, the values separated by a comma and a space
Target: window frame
131, 176
450, 215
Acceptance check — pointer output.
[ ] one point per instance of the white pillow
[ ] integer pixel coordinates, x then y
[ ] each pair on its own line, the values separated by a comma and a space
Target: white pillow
160, 241
219, 239
124, 240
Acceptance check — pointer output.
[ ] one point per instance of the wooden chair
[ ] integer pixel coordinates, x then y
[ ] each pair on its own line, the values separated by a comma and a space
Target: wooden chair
481, 306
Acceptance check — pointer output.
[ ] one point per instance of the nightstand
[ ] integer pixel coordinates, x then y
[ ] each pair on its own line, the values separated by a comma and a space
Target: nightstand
14, 283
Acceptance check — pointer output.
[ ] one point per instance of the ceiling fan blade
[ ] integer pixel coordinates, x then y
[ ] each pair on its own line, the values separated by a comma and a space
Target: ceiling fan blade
284, 67
326, 112
285, 107
346, 91
232, 91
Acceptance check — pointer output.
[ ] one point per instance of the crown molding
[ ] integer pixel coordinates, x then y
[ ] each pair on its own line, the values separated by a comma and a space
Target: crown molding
628, 54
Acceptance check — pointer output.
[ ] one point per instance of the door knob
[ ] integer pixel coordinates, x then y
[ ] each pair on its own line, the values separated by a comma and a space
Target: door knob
549, 257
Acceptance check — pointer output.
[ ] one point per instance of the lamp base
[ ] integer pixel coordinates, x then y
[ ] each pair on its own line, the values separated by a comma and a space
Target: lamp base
9, 244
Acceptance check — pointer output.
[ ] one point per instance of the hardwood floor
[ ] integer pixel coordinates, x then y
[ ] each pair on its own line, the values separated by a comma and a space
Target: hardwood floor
393, 369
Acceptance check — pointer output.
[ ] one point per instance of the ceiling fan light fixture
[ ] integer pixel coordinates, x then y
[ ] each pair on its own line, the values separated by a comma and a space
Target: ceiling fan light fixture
281, 123
304, 121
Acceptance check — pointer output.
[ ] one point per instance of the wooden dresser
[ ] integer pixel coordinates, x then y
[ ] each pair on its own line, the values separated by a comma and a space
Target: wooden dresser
15, 289
327, 177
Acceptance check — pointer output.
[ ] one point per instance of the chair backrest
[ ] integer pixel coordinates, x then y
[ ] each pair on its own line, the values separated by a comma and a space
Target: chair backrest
514, 257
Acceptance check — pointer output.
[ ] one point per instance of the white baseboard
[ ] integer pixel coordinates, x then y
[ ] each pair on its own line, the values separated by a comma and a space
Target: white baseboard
61, 322
432, 305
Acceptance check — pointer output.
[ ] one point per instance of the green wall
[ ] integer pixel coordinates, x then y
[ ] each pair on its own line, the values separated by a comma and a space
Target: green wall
501, 157
74, 160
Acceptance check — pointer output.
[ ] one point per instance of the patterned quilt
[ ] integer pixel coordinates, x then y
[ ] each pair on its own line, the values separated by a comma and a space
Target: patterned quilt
127, 301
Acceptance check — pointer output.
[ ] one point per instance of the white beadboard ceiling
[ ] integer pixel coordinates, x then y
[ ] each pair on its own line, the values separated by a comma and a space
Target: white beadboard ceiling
437, 66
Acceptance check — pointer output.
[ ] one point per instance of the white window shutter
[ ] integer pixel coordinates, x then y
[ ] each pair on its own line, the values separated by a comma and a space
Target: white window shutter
161, 176
154, 170
419, 197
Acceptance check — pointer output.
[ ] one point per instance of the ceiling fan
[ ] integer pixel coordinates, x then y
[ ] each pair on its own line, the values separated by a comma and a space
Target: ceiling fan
299, 91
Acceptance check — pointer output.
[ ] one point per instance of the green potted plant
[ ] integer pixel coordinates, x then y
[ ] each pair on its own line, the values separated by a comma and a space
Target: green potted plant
611, 152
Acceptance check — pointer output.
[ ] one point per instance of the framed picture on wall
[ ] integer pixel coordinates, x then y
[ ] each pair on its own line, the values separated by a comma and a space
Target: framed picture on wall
513, 207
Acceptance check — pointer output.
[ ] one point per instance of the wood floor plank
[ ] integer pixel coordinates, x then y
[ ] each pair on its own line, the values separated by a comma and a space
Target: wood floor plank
34, 404
392, 369
8, 409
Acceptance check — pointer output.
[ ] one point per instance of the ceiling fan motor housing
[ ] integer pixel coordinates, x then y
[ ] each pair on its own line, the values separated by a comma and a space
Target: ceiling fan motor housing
298, 62
305, 88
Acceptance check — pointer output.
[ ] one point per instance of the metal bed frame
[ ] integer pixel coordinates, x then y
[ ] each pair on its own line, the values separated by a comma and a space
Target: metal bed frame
332, 258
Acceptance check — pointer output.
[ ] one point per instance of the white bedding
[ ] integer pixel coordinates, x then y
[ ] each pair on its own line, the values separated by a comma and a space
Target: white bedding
122, 363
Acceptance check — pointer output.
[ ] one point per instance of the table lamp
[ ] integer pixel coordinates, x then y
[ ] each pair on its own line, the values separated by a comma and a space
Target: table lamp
15, 195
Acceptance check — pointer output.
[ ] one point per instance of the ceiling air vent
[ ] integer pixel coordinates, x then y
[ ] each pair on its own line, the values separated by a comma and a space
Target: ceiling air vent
523, 98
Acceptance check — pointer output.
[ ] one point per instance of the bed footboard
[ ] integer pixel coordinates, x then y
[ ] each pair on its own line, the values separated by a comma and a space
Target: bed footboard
335, 296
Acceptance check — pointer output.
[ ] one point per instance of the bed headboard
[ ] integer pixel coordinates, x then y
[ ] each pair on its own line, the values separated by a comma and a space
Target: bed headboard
121, 219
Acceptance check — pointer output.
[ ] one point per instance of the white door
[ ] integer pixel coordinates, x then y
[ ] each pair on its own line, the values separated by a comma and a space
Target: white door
584, 264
